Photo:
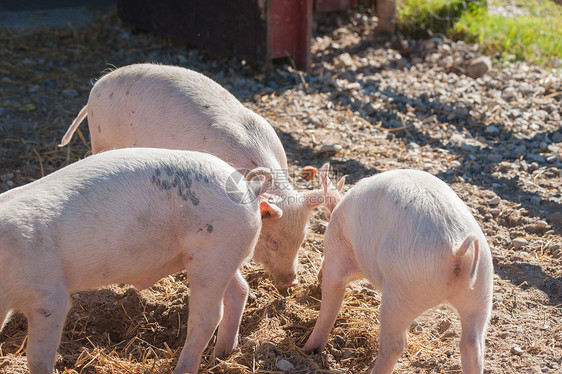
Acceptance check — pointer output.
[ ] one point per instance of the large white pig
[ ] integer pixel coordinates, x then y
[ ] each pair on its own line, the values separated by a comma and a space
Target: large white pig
409, 234
149, 105
130, 216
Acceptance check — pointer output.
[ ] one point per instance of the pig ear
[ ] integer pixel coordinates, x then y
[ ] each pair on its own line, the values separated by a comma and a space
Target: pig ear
324, 179
313, 198
341, 183
269, 211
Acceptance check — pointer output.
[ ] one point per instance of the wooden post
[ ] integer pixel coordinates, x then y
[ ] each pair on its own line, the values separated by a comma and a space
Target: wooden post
386, 13
291, 31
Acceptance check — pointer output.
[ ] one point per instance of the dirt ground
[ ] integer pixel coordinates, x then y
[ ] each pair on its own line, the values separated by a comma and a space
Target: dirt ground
370, 104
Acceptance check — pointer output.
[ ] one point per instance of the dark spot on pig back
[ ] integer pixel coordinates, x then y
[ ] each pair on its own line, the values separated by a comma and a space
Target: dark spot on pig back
180, 180
165, 185
209, 228
99, 129
127, 93
111, 96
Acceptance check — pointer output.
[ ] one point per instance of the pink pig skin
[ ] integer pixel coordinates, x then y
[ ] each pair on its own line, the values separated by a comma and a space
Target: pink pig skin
149, 105
408, 233
128, 216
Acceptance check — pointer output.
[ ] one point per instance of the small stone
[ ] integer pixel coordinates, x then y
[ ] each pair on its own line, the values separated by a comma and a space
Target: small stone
33, 88
495, 211
443, 326
69, 93
347, 353
519, 242
368, 292
346, 59
526, 89
536, 158
339, 341
457, 139
516, 350
509, 93
478, 66
7, 176
553, 158
492, 130
521, 150
394, 123
494, 201
536, 200
331, 149
543, 225
284, 365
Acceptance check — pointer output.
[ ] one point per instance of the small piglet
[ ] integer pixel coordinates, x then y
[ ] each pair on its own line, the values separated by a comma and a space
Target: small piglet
161, 106
130, 216
409, 234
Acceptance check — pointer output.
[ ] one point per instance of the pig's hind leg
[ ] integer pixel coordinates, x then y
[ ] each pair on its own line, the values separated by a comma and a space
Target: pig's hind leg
474, 308
46, 314
234, 303
399, 307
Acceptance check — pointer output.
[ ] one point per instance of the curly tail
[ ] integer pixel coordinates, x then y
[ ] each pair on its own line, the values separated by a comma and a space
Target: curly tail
461, 251
81, 115
261, 185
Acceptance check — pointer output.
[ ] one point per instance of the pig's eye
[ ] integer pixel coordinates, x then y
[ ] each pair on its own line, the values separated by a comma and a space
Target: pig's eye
273, 244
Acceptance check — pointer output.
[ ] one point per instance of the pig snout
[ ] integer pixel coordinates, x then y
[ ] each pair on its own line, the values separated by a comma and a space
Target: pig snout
285, 282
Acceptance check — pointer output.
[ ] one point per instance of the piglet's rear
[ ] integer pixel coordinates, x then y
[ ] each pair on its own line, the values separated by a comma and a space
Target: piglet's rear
411, 236
128, 216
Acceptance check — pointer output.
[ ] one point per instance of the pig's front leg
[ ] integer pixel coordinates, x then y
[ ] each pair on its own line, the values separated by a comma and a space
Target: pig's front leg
333, 291
46, 315
234, 303
205, 312
338, 269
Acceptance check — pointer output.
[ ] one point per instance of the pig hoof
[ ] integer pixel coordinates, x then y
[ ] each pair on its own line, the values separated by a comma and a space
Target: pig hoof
313, 351
222, 353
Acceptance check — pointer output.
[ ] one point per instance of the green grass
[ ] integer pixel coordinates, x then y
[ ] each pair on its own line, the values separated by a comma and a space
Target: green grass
535, 37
